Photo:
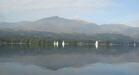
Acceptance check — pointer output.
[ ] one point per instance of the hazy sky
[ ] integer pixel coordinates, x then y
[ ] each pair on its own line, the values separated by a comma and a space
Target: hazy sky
97, 11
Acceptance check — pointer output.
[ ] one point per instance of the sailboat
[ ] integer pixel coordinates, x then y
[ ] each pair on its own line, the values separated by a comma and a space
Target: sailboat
57, 43
54, 43
63, 43
96, 44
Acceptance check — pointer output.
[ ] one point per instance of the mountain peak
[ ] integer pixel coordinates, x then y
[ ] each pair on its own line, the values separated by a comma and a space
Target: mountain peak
51, 18
55, 17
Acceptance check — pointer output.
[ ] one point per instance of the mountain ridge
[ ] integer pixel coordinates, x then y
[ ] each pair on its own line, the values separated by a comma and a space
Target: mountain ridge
57, 24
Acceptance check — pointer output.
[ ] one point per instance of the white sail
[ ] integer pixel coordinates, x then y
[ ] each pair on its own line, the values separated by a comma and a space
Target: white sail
54, 43
96, 44
63, 43
57, 43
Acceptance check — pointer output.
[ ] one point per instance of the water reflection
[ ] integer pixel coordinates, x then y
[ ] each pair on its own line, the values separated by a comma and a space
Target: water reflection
25, 60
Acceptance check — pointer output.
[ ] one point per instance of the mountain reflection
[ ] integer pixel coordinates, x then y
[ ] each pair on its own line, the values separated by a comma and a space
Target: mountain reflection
57, 58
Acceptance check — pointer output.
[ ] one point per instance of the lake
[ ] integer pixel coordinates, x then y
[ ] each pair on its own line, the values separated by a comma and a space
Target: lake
70, 60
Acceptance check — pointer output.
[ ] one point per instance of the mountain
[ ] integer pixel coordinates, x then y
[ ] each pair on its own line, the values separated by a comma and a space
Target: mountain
60, 25
6, 25
120, 29
75, 36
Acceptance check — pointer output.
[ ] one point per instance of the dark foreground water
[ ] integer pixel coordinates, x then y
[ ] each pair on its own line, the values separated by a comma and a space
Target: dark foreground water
24, 60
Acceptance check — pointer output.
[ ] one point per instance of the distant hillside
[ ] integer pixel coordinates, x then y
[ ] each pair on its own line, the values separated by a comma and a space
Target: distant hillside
50, 35
57, 25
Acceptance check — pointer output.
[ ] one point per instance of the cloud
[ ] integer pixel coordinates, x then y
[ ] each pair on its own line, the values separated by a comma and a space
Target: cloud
80, 5
131, 20
135, 22
13, 10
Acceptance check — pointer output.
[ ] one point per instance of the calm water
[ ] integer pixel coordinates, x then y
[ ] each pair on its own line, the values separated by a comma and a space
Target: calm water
24, 60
